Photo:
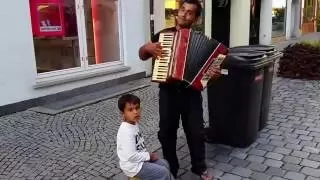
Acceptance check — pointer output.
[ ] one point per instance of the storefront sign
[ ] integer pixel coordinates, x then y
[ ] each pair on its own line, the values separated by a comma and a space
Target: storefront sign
47, 17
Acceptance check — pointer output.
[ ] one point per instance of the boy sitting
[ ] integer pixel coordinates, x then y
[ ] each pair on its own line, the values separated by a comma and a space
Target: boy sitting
135, 161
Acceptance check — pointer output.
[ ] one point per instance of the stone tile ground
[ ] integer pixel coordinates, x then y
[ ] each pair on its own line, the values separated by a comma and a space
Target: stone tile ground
80, 144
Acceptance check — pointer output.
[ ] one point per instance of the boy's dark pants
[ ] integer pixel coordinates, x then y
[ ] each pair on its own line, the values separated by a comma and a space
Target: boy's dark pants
187, 103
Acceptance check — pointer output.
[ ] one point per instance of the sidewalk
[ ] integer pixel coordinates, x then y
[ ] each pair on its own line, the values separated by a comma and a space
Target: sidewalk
80, 144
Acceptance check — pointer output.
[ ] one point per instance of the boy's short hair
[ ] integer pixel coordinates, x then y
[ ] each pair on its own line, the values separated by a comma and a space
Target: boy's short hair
127, 98
194, 2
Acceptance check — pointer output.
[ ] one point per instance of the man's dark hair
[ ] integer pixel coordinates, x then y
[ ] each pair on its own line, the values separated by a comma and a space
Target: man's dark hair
127, 98
195, 2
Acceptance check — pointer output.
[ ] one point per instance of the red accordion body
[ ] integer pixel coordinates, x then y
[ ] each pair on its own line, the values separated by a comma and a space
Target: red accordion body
187, 57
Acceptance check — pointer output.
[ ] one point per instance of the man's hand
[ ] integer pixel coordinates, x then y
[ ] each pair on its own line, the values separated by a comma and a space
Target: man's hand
153, 157
214, 72
154, 49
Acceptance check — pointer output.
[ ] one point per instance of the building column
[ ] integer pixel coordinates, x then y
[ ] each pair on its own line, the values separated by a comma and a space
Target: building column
288, 18
265, 34
208, 17
239, 22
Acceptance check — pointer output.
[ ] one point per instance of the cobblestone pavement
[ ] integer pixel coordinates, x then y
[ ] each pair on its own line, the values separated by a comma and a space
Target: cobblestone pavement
80, 144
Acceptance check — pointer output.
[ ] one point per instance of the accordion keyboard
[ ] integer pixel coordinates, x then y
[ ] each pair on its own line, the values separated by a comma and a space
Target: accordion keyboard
162, 64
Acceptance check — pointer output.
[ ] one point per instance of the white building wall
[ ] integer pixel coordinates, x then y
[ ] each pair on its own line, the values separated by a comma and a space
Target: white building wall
18, 66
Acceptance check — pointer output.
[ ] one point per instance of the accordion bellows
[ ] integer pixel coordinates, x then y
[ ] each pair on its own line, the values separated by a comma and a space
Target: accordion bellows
187, 56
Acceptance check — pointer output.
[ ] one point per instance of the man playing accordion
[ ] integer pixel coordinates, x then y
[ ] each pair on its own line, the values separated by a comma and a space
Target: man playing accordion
177, 101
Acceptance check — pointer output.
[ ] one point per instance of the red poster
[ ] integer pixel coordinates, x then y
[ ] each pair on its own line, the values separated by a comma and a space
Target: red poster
47, 17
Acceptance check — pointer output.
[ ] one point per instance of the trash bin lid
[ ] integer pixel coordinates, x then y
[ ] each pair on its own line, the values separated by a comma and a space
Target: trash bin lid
257, 47
247, 54
248, 59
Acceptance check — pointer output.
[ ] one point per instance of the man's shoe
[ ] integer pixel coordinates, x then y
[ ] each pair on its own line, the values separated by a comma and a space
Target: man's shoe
205, 176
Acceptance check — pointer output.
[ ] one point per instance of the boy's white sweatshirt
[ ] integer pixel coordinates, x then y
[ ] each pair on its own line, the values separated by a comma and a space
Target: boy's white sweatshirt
131, 149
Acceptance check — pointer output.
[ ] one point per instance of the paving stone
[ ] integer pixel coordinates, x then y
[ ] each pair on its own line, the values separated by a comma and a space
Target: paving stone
311, 172
315, 157
311, 150
239, 162
243, 172
303, 132
307, 143
278, 143
312, 178
228, 176
293, 146
309, 163
257, 167
254, 158
275, 156
260, 176
272, 171
266, 147
278, 178
295, 176
300, 154
224, 167
222, 158
292, 167
257, 152
239, 155
273, 163
306, 138
292, 159
282, 150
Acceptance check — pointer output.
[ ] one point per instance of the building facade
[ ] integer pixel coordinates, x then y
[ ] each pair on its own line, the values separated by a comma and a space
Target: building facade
54, 46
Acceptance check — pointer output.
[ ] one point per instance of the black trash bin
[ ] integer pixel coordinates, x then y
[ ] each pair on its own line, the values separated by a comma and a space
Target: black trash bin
234, 99
273, 56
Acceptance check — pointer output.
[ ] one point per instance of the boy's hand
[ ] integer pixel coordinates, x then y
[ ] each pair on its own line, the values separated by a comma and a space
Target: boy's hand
154, 49
153, 157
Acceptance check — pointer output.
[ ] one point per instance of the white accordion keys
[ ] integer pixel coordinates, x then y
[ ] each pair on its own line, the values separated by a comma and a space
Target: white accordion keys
161, 67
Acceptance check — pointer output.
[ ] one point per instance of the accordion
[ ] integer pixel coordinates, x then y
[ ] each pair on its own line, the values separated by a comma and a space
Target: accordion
186, 56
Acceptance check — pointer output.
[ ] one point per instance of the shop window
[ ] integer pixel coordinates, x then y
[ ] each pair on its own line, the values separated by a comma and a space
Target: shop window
74, 33
102, 31
278, 17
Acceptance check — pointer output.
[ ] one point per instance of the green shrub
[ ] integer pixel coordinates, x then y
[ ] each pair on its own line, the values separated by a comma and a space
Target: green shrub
311, 43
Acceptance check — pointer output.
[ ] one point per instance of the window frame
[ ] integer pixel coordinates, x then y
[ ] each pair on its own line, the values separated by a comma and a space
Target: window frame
85, 68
